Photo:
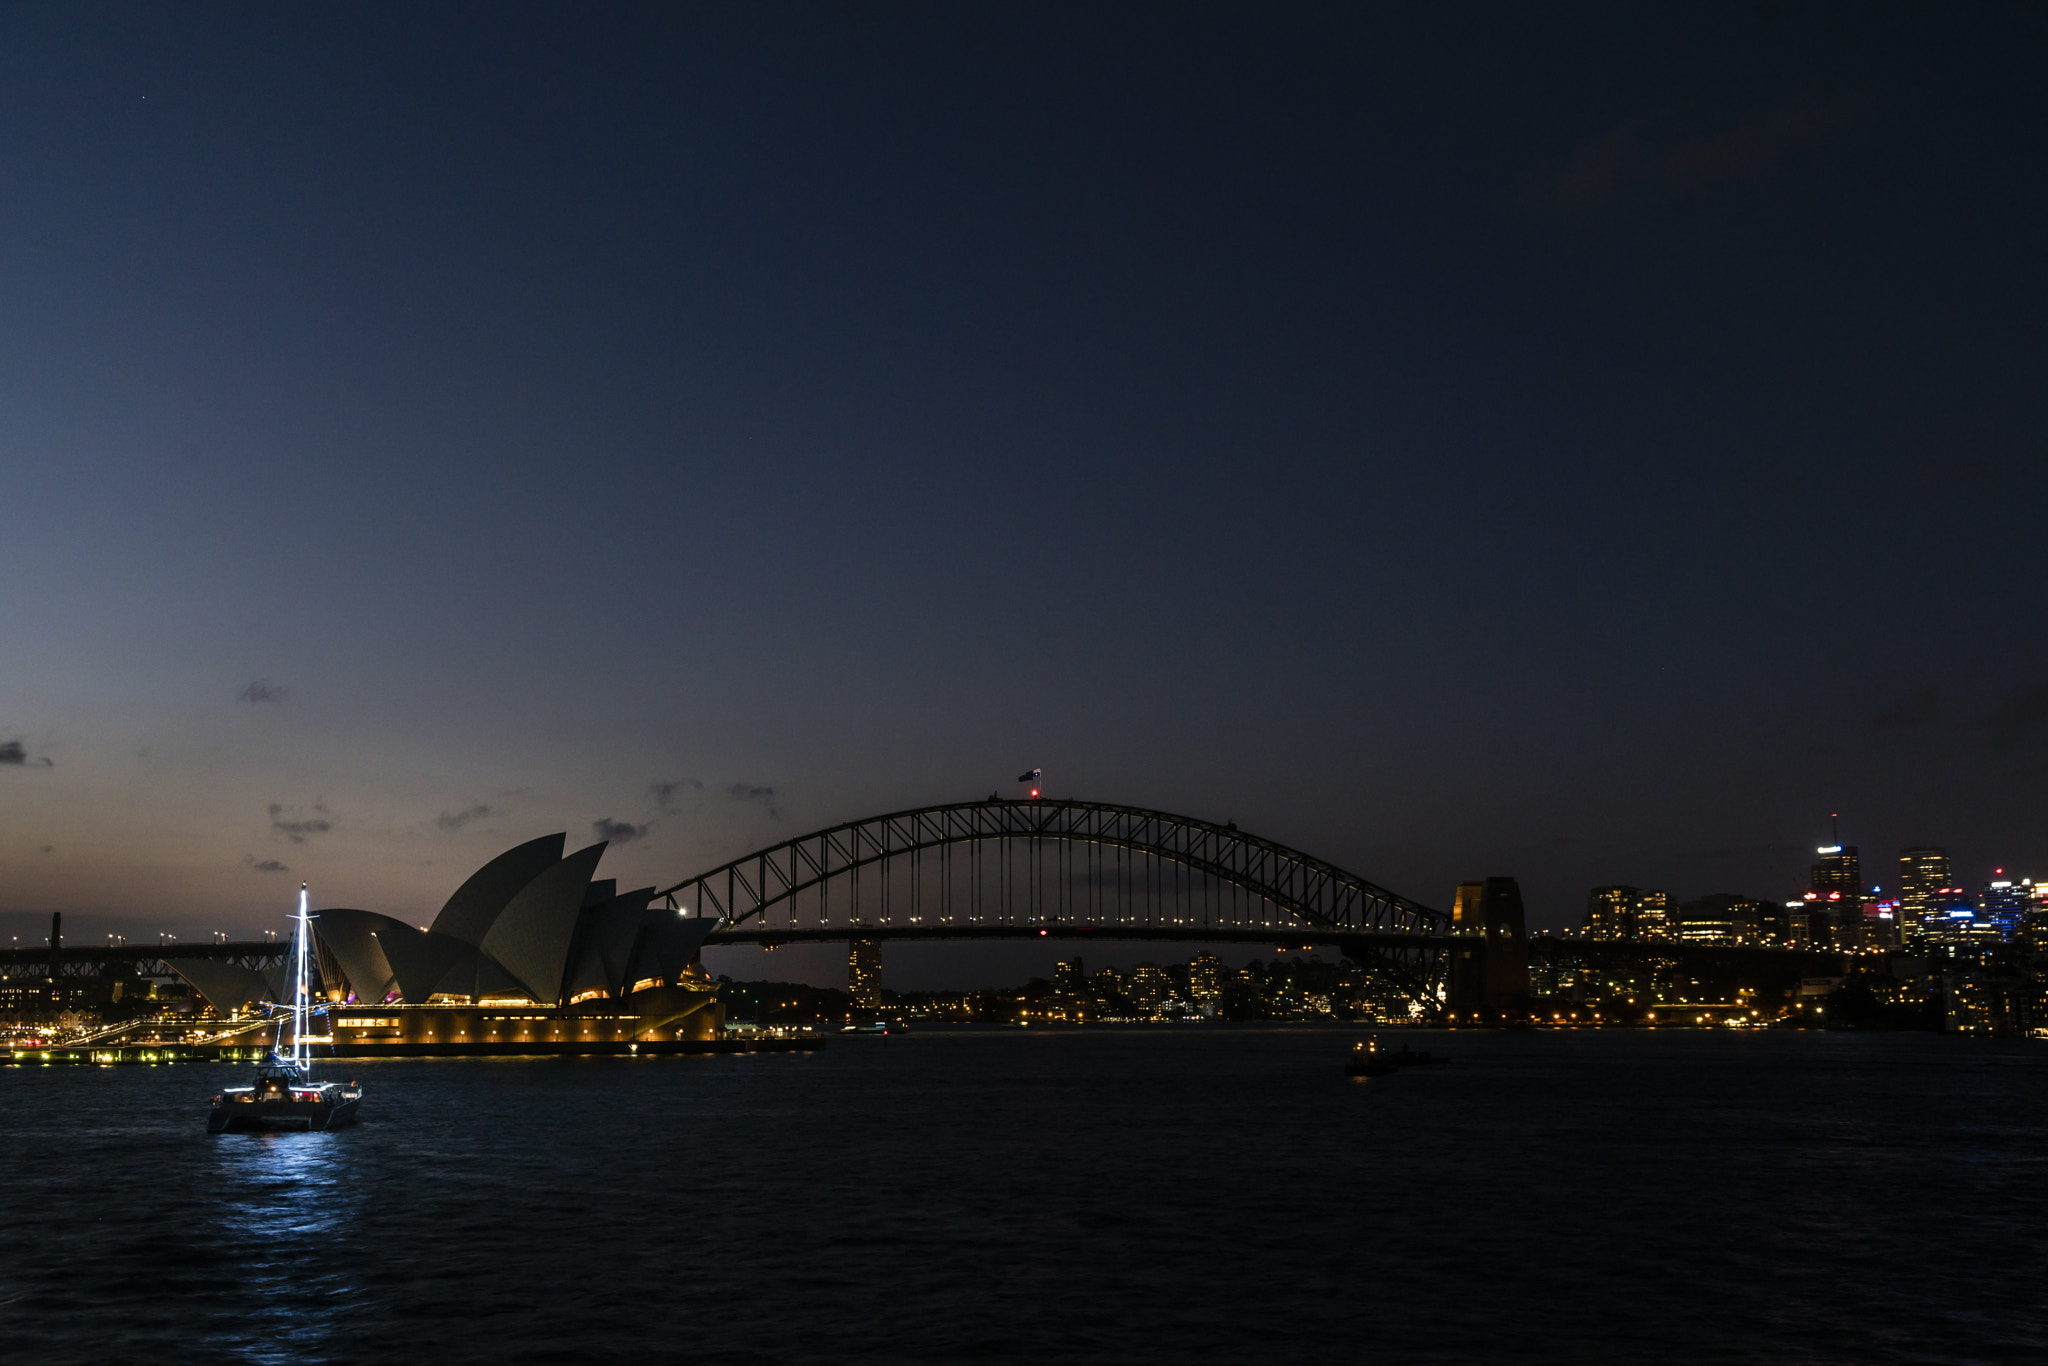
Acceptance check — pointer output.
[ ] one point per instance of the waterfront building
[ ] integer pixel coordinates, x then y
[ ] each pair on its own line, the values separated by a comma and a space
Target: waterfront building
1205, 978
530, 950
1067, 974
1148, 986
864, 973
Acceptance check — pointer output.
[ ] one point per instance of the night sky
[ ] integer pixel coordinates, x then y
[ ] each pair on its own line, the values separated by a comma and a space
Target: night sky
1587, 444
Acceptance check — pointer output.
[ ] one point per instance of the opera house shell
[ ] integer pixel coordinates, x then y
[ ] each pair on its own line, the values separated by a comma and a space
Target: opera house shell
531, 954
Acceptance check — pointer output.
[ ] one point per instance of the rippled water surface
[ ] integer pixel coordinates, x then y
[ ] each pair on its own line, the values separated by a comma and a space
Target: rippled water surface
1138, 1195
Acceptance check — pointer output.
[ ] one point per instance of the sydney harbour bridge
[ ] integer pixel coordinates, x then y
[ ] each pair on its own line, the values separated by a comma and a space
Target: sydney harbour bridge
1055, 868
1031, 868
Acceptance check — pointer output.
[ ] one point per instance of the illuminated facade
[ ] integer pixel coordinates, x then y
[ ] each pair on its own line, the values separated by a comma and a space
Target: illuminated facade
1205, 978
530, 950
1627, 913
2003, 903
1839, 871
1721, 919
864, 973
1923, 872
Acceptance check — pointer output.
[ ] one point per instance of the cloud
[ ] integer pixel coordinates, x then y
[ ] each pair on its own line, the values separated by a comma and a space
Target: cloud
295, 827
2016, 718
665, 793
455, 820
747, 792
618, 832
1647, 155
1920, 707
14, 755
260, 691
269, 865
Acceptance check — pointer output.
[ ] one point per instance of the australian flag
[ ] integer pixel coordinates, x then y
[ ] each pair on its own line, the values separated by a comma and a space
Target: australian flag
1033, 776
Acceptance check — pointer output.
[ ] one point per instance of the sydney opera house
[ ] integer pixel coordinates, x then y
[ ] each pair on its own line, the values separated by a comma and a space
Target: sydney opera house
531, 954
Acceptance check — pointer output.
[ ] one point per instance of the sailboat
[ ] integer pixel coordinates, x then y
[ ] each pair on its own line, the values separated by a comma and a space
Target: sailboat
285, 1095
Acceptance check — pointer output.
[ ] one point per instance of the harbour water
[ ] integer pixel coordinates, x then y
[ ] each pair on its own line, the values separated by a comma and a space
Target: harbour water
1133, 1195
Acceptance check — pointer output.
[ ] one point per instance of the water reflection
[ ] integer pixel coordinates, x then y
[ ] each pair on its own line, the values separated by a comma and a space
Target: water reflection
286, 1203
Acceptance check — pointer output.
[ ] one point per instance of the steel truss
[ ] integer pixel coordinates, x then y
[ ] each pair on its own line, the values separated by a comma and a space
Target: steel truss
1066, 869
150, 961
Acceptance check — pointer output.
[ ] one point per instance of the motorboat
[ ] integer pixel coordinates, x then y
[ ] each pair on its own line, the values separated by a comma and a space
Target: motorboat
1368, 1059
284, 1095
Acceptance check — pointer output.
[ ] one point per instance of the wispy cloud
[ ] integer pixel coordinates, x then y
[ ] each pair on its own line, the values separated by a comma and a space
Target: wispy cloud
455, 820
1918, 708
295, 826
269, 865
2018, 717
261, 691
747, 792
1653, 154
666, 792
619, 832
13, 754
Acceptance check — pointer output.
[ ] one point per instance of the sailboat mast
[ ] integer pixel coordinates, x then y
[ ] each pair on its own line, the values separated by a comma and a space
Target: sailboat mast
300, 1003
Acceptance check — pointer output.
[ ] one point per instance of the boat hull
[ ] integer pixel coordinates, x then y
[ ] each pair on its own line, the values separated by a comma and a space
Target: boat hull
242, 1116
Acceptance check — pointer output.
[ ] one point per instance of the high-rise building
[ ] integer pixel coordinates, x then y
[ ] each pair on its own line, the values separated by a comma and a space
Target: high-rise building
2004, 902
1148, 986
1609, 912
2034, 934
864, 973
1723, 918
1205, 978
1839, 871
1067, 974
1627, 913
1654, 917
1923, 872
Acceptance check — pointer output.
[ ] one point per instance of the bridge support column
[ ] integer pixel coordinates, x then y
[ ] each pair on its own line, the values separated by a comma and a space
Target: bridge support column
1489, 973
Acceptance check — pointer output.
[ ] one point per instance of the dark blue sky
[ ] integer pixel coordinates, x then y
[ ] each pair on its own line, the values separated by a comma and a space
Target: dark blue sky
1583, 443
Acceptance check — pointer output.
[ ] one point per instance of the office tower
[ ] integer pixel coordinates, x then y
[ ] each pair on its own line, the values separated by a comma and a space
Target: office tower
1839, 874
1067, 975
2003, 903
1923, 872
1625, 913
864, 973
1205, 978
1723, 918
1654, 917
1610, 911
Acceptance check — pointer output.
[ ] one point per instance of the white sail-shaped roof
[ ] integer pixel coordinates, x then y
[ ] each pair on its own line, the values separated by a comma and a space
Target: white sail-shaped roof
531, 937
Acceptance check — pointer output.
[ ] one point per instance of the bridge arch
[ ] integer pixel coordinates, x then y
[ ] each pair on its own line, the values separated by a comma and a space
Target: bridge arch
1060, 868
